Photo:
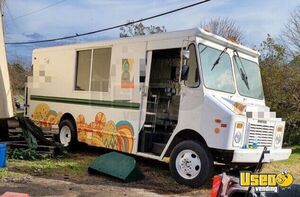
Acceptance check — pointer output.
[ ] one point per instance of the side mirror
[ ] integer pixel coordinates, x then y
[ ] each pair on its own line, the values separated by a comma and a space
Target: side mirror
185, 54
184, 72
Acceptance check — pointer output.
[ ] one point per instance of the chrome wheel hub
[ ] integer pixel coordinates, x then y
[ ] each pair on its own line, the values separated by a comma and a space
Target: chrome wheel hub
65, 136
188, 164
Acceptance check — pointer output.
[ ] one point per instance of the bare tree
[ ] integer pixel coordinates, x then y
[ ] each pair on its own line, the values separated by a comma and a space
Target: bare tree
18, 75
291, 33
224, 27
136, 29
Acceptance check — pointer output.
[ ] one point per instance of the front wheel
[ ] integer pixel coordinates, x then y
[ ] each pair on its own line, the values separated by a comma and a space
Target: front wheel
191, 163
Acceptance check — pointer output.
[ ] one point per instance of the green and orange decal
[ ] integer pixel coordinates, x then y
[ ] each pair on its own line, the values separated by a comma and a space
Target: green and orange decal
103, 133
100, 132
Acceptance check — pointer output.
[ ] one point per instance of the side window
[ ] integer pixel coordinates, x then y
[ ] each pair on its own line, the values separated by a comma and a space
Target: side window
97, 61
101, 69
193, 73
83, 70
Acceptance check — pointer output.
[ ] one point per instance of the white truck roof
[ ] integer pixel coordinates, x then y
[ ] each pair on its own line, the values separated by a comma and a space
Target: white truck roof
161, 36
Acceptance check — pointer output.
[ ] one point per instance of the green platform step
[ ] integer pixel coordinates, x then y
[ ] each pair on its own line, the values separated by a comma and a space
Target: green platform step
117, 165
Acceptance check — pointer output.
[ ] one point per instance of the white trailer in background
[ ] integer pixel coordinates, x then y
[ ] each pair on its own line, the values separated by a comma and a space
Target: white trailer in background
189, 95
6, 106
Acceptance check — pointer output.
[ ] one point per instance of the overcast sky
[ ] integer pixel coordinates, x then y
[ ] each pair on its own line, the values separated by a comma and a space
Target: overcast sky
256, 18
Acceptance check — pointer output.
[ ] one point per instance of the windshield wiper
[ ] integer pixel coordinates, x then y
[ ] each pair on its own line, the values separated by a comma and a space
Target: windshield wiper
241, 69
218, 59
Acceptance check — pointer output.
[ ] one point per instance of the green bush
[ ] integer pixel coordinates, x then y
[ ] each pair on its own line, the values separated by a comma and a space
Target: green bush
24, 154
281, 81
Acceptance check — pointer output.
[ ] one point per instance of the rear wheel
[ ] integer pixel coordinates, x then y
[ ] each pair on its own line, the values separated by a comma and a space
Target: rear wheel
191, 163
67, 134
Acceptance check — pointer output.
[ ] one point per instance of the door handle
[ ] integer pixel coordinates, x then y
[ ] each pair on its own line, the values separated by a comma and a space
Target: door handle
144, 91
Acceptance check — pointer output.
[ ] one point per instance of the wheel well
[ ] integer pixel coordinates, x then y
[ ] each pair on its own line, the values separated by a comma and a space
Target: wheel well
186, 134
68, 116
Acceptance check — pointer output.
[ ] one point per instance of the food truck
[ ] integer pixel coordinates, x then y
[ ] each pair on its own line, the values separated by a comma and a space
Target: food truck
190, 96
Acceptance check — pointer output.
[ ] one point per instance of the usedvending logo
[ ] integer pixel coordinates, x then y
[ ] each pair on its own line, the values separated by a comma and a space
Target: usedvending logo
266, 182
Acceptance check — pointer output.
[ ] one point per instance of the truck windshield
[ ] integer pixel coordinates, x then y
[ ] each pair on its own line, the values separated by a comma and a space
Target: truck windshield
217, 69
248, 78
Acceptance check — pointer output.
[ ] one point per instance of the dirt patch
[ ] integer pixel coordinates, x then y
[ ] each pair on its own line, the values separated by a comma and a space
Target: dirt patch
51, 187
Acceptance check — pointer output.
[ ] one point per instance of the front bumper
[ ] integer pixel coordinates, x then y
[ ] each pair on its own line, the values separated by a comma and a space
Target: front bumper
253, 155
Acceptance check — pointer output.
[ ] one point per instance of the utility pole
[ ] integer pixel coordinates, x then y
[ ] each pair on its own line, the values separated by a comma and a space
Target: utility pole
6, 104
1, 4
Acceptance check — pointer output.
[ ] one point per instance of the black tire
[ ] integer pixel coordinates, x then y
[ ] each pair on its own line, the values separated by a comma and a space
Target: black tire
73, 138
205, 169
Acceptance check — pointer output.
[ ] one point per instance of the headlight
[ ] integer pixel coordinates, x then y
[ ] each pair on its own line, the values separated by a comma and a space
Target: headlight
278, 139
238, 134
279, 136
237, 137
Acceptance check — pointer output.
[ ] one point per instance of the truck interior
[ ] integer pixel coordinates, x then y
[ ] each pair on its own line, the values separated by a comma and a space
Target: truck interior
162, 101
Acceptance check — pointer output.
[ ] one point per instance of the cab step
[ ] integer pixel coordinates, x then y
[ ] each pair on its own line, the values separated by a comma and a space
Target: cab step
150, 113
148, 126
157, 148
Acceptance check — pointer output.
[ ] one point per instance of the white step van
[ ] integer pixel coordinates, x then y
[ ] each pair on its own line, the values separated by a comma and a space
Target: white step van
188, 95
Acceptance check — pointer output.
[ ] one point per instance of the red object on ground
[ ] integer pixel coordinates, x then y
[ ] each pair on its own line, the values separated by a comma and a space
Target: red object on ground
216, 185
14, 194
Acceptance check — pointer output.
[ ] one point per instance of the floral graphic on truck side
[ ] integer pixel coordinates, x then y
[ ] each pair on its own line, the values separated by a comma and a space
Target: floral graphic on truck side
44, 116
103, 133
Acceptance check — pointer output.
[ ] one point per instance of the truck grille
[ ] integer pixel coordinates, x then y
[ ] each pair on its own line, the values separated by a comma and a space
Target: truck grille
262, 134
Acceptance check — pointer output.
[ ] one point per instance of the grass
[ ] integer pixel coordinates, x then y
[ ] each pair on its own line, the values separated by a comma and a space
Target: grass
292, 165
66, 165
6, 173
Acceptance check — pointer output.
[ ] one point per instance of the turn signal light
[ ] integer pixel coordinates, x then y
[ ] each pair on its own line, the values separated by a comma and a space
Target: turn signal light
239, 125
217, 120
279, 129
217, 130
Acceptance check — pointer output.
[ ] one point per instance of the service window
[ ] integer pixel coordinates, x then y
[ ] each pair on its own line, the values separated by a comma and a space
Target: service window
83, 70
93, 70
101, 69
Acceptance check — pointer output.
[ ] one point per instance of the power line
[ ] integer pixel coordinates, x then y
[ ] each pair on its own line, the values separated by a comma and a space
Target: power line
110, 28
38, 10
10, 14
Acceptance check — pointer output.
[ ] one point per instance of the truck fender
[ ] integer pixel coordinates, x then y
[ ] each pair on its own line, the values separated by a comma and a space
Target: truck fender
185, 134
